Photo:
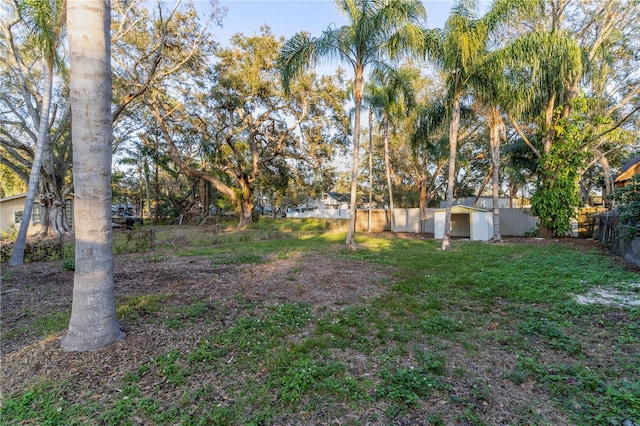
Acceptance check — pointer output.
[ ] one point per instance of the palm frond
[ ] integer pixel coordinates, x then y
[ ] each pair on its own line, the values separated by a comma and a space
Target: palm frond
433, 40
431, 118
502, 11
44, 19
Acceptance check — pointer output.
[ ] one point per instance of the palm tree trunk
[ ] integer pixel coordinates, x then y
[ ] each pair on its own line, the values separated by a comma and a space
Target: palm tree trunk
387, 166
93, 322
358, 87
453, 149
423, 195
17, 257
494, 141
370, 167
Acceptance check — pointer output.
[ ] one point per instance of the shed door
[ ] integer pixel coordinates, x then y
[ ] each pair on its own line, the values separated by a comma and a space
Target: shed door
461, 225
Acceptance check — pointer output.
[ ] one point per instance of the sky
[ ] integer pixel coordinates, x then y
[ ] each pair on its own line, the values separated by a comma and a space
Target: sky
287, 17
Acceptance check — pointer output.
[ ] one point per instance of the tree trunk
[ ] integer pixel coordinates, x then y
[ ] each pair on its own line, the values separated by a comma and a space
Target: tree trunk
608, 178
423, 196
93, 322
52, 204
245, 204
53, 216
370, 167
358, 87
544, 231
201, 190
17, 257
453, 149
494, 142
387, 167
483, 185
156, 185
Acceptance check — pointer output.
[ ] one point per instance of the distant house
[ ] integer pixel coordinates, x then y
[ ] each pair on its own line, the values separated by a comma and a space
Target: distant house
629, 170
335, 201
308, 205
12, 211
330, 201
331, 205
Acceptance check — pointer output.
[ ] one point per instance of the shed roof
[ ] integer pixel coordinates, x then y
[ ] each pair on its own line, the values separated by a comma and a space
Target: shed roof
628, 170
459, 209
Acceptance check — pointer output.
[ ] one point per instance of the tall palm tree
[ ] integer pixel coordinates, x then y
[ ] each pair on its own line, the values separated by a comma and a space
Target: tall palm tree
377, 30
545, 67
429, 127
44, 18
392, 97
93, 322
369, 88
459, 50
492, 90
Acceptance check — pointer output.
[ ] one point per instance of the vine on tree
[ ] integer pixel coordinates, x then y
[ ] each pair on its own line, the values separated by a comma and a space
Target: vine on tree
557, 197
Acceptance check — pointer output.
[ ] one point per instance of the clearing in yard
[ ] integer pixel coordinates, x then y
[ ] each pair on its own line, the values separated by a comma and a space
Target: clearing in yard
282, 324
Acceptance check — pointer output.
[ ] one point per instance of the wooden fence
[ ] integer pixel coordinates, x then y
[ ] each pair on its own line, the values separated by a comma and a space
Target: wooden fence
586, 220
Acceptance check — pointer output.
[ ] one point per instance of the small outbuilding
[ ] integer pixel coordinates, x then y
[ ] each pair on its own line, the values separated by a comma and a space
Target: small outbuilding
629, 170
466, 222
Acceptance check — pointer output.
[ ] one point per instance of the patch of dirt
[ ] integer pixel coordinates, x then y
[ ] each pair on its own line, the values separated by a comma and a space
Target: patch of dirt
602, 296
38, 290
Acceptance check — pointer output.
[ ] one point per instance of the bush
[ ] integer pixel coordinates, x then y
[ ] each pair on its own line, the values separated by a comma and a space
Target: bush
36, 250
628, 199
9, 234
138, 240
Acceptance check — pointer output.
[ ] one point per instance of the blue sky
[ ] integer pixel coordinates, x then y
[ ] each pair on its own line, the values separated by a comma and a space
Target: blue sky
287, 17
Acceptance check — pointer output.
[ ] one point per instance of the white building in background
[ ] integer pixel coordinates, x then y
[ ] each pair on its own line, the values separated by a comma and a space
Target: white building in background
331, 205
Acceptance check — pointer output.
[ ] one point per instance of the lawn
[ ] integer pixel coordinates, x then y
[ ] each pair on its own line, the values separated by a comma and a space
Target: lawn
282, 324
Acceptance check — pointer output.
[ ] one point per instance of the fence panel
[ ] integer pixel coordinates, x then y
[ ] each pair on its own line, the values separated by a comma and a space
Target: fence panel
586, 220
380, 220
407, 220
322, 214
516, 222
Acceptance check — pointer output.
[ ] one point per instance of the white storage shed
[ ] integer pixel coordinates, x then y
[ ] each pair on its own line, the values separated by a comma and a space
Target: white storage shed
466, 222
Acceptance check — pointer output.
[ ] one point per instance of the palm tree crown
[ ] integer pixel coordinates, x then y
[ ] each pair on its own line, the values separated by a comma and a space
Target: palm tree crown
378, 30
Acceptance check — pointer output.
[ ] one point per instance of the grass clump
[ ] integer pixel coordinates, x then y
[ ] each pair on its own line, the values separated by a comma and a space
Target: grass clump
134, 307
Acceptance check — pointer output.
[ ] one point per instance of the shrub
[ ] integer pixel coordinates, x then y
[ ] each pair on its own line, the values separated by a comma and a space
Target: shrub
9, 234
628, 198
36, 250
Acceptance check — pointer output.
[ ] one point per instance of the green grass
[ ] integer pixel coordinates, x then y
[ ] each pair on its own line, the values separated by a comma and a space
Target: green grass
40, 327
449, 327
134, 307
